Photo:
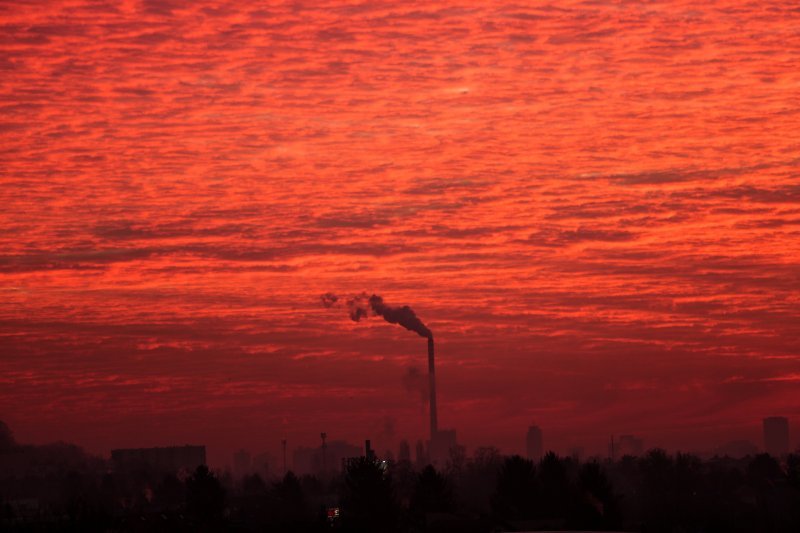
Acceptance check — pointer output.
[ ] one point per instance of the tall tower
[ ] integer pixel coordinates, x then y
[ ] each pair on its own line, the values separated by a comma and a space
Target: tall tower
404, 454
283, 447
432, 387
533, 443
324, 436
242, 463
776, 435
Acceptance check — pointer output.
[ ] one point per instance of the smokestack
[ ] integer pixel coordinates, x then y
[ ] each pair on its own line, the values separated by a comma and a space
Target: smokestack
283, 445
362, 305
432, 387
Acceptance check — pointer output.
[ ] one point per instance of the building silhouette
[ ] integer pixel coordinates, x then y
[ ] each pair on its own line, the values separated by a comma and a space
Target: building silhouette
533, 443
577, 453
170, 459
264, 465
404, 452
311, 461
420, 456
442, 442
776, 435
242, 464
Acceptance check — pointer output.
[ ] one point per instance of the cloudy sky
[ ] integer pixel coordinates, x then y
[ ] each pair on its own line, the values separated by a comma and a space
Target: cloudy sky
595, 206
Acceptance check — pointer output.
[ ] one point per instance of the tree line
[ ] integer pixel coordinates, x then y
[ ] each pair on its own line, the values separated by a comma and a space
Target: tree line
487, 491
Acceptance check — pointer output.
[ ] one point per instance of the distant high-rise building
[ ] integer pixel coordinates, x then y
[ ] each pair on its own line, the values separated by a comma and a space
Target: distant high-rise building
242, 464
310, 460
264, 465
421, 457
629, 445
577, 453
404, 453
776, 435
533, 443
439, 450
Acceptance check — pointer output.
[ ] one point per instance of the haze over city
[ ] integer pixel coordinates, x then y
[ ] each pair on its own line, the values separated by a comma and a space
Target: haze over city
595, 207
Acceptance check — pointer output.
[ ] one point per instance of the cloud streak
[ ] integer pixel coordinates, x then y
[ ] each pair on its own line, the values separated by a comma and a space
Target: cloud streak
584, 197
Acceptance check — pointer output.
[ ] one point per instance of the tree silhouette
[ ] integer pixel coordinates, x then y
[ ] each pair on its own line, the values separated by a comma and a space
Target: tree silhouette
776, 502
405, 479
658, 490
170, 493
205, 497
793, 470
596, 507
688, 482
456, 459
556, 496
7, 442
368, 503
432, 494
478, 479
287, 503
251, 505
764, 471
516, 494
253, 485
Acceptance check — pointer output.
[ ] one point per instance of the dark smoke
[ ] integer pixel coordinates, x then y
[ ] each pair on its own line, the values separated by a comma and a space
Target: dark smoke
404, 316
358, 306
329, 299
361, 306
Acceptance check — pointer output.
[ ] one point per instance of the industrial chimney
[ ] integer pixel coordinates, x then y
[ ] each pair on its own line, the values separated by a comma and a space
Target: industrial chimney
361, 306
368, 453
432, 387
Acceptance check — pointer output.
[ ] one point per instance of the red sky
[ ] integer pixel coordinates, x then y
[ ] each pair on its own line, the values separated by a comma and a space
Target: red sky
595, 206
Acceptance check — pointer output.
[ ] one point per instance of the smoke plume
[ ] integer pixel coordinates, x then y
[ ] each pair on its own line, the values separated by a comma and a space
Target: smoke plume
358, 306
329, 299
362, 305
404, 316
